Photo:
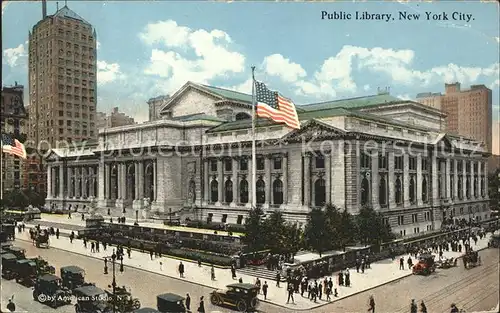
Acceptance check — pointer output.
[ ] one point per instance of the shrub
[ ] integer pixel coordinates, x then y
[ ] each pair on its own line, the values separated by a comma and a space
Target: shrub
202, 256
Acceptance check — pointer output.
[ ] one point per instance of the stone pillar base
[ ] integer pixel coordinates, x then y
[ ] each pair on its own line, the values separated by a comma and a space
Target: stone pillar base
137, 204
232, 204
248, 205
120, 203
265, 206
218, 203
102, 203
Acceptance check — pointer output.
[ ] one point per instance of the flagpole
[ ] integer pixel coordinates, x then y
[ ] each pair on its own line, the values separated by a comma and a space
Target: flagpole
254, 157
2, 171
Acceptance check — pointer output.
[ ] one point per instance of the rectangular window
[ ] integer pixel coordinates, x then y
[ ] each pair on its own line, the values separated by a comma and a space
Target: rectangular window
414, 218
277, 163
320, 161
413, 163
213, 165
366, 161
382, 161
401, 220
398, 163
228, 165
243, 164
260, 164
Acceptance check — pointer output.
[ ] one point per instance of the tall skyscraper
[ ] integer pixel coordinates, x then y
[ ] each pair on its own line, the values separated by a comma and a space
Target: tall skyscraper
62, 79
469, 111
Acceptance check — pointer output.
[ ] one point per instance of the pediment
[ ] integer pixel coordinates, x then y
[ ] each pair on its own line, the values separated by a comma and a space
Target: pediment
53, 156
189, 89
314, 130
444, 141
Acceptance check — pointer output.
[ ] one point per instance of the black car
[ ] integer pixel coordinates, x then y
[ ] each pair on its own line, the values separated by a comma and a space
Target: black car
91, 299
146, 310
170, 303
49, 291
8, 265
241, 296
72, 277
20, 253
26, 272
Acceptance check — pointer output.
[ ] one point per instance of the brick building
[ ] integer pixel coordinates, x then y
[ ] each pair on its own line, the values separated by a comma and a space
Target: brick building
114, 119
377, 151
14, 120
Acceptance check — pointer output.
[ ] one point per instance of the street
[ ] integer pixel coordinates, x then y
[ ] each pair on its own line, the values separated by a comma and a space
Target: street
474, 289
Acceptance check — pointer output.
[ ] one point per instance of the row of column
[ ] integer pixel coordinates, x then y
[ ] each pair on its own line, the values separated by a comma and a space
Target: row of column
74, 185
129, 181
236, 177
309, 178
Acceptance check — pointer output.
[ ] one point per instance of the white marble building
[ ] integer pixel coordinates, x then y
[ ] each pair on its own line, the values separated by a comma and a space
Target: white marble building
378, 151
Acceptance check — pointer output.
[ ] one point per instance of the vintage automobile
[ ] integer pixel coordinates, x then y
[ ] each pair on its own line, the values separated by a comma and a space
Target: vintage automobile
124, 300
241, 296
170, 303
425, 265
43, 267
2, 251
471, 259
26, 272
20, 253
447, 263
48, 290
41, 238
91, 299
72, 277
146, 310
8, 265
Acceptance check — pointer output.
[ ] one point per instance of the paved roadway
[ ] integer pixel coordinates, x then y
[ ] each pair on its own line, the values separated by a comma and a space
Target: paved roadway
474, 289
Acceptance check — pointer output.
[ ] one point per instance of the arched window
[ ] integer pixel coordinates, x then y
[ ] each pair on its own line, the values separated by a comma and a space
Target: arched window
87, 187
278, 192
242, 116
475, 187
365, 191
319, 192
114, 182
214, 191
398, 191
244, 191
149, 182
382, 191
467, 187
460, 187
192, 191
412, 190
94, 185
130, 182
228, 188
261, 191
424, 189
482, 186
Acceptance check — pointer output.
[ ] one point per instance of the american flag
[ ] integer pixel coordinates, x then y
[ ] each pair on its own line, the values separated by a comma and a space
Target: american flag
270, 104
13, 146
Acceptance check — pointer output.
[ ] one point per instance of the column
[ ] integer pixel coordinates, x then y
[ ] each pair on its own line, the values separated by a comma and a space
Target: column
78, 183
250, 183
434, 179
464, 180
123, 181
406, 180
455, 179
220, 180
486, 196
155, 192
140, 173
420, 178
478, 183
375, 180
328, 170
471, 181
69, 175
49, 181
206, 181
307, 179
61, 181
448, 180
136, 181
268, 180
234, 178
391, 180
84, 182
54, 175
107, 181
284, 165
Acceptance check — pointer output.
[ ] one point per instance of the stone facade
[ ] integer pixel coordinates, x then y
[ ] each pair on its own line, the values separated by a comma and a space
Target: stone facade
199, 165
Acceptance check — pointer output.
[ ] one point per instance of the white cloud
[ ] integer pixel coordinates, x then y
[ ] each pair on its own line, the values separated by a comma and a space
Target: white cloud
404, 97
497, 39
14, 56
213, 57
108, 72
277, 65
98, 45
366, 87
495, 84
245, 87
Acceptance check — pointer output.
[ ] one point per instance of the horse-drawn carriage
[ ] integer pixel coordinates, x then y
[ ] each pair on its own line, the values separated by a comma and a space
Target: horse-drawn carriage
124, 300
471, 259
425, 265
447, 263
40, 238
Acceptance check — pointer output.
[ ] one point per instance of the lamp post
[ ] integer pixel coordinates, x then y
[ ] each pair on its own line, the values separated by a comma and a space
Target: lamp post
113, 259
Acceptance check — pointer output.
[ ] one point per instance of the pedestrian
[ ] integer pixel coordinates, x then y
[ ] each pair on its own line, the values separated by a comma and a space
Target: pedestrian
69, 214
290, 294
129, 251
11, 306
104, 246
328, 293
363, 266
371, 304
199, 262
92, 247
161, 266
347, 278
320, 290
278, 278
410, 263
212, 272
188, 301
413, 306
264, 290
240, 280
341, 278
358, 264
85, 243
402, 263
181, 270
257, 283
201, 308
83, 217
57, 233
233, 271
71, 237
97, 246
367, 261
423, 308
151, 255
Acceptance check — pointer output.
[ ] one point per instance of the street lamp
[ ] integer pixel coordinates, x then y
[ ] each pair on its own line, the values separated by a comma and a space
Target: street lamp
113, 259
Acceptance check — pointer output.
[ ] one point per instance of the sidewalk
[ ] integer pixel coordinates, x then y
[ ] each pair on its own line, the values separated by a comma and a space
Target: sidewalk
380, 273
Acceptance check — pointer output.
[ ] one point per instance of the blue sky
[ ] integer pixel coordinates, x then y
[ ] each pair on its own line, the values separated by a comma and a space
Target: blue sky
152, 48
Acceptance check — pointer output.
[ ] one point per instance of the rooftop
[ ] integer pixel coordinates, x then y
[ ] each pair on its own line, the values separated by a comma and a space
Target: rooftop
227, 93
353, 103
68, 13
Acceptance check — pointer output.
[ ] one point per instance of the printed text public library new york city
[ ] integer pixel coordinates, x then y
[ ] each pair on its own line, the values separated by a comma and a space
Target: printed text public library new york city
194, 159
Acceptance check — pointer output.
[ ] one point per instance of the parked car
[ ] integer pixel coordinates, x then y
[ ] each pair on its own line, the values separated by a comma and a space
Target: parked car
49, 291
241, 296
91, 299
170, 303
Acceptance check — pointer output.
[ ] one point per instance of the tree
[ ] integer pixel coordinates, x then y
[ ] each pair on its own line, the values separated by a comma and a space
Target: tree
275, 230
348, 229
493, 189
333, 225
295, 239
16, 199
371, 227
254, 237
315, 233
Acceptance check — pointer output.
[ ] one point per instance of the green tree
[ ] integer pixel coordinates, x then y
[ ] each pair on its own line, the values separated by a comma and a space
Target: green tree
295, 239
493, 190
348, 230
275, 229
254, 237
371, 227
316, 234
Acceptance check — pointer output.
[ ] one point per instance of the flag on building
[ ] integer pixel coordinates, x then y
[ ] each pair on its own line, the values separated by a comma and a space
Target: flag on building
13, 146
270, 104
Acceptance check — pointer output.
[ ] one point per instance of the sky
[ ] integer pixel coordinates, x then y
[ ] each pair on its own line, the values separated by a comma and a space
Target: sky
146, 49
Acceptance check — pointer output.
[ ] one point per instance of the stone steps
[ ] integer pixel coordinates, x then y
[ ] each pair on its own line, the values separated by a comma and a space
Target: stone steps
261, 272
